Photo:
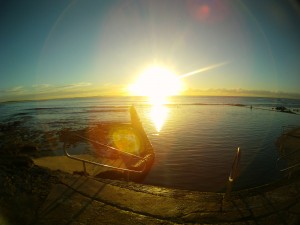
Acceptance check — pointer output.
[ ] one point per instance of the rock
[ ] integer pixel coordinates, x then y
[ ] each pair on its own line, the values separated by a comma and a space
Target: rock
28, 149
280, 108
17, 161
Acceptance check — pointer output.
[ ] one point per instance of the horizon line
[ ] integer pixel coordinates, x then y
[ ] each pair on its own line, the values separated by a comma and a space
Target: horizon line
128, 96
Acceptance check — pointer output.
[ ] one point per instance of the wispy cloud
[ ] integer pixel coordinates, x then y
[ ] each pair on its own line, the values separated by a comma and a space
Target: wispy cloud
74, 86
15, 90
241, 92
48, 91
49, 87
38, 86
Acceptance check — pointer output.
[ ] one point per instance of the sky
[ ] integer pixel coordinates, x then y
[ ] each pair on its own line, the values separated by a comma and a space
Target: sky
54, 49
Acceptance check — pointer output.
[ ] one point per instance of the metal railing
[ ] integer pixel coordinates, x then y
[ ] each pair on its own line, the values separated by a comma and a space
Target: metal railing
234, 168
135, 122
84, 161
285, 131
290, 167
109, 147
234, 172
287, 128
287, 156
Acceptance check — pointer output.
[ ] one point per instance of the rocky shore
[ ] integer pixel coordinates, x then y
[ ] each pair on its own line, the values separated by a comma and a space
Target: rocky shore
23, 189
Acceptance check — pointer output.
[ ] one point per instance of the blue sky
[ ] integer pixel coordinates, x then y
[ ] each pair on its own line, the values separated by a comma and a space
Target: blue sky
86, 48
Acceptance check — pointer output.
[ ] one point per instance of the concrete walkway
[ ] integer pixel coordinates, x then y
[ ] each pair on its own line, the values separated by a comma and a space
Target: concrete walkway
83, 200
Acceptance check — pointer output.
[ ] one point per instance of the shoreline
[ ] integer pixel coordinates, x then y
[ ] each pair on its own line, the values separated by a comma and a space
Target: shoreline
123, 96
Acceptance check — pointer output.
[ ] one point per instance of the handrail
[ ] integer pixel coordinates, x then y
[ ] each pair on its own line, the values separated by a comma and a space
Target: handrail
285, 131
233, 173
110, 147
290, 167
101, 164
234, 168
84, 161
285, 156
287, 128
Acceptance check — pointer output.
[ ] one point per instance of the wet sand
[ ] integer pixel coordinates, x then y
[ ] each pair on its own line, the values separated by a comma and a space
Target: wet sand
63, 163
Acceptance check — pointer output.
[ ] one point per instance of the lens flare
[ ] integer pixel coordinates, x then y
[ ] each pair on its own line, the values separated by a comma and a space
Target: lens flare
126, 140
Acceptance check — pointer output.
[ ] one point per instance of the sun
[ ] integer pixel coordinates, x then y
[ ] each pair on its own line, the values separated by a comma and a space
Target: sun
157, 83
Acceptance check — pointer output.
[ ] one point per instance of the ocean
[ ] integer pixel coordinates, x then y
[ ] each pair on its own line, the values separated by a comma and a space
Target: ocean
195, 138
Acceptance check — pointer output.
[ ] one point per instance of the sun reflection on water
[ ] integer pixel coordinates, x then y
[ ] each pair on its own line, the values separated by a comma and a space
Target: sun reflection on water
157, 83
159, 114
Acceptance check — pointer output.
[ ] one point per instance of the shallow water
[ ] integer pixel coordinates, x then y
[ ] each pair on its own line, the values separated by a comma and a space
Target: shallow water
196, 142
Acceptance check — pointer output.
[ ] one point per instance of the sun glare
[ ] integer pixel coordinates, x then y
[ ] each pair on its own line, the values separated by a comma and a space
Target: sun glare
158, 115
157, 83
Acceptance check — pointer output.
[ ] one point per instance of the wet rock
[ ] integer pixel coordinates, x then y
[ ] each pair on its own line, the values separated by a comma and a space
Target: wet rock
28, 149
284, 109
23, 188
280, 108
16, 161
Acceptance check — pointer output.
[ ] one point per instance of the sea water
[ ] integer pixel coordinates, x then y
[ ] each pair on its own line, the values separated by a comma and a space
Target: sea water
195, 138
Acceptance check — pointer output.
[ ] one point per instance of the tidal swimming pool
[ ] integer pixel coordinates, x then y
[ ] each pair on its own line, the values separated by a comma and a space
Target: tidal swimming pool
194, 138
196, 145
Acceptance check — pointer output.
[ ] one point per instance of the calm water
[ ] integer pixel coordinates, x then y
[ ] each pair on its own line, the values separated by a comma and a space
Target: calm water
195, 138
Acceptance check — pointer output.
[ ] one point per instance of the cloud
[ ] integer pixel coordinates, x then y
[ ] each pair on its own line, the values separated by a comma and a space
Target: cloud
241, 92
48, 91
49, 87
73, 86
38, 86
41, 88
15, 90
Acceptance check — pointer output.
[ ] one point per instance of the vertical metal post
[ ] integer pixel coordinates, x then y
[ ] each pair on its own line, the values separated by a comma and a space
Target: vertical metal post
233, 173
